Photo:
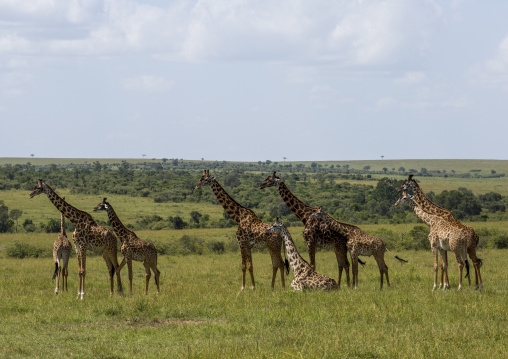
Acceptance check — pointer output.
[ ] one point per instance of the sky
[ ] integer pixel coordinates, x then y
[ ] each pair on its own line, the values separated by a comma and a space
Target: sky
241, 80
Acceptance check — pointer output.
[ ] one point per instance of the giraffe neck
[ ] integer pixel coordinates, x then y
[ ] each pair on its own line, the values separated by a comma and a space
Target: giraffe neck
76, 216
302, 210
233, 208
427, 218
344, 229
430, 207
121, 231
298, 264
62, 224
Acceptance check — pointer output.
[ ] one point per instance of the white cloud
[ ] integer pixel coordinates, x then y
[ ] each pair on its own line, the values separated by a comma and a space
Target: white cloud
494, 72
410, 78
147, 84
353, 33
13, 83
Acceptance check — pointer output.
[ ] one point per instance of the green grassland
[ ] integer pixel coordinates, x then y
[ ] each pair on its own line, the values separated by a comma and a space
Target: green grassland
201, 313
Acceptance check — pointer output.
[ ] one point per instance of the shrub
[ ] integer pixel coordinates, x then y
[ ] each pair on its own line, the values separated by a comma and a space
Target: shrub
216, 246
25, 250
501, 241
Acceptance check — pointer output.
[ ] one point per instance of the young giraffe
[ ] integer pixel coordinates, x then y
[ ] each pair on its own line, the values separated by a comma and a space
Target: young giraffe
88, 235
469, 233
305, 277
61, 254
316, 233
132, 248
251, 231
359, 244
443, 237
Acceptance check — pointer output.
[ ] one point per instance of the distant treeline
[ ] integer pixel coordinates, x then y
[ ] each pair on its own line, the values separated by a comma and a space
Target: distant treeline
164, 181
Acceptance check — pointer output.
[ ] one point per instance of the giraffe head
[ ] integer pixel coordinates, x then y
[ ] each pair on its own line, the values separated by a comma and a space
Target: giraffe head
205, 179
38, 188
278, 226
271, 181
319, 214
102, 206
409, 184
404, 198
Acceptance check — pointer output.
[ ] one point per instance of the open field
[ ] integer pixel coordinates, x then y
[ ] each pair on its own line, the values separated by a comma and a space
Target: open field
201, 313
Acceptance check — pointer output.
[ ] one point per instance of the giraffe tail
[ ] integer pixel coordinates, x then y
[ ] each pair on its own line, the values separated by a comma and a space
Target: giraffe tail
400, 259
467, 268
56, 270
396, 257
361, 262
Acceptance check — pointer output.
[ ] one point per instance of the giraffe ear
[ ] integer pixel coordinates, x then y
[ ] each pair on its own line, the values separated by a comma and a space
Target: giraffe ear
104, 199
274, 173
410, 177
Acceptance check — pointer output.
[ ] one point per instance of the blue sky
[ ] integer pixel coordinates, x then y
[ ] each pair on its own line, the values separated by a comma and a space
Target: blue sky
254, 80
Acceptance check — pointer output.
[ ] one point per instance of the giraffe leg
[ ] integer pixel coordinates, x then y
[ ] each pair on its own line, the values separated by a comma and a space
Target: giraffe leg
460, 264
383, 270
57, 278
65, 272
342, 262
111, 270
129, 268
147, 276
277, 264
436, 267
441, 283
82, 275
114, 261
251, 270
476, 264
157, 274
354, 260
444, 256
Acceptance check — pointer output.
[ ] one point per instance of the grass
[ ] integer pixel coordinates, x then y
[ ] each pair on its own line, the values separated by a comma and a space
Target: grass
201, 313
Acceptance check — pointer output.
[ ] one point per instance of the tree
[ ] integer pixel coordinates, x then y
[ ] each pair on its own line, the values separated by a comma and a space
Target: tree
196, 216
14, 215
5, 223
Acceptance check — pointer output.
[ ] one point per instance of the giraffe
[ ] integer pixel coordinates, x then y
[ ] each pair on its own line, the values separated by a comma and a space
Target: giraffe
316, 233
443, 237
61, 254
471, 236
305, 277
132, 248
359, 244
88, 235
251, 231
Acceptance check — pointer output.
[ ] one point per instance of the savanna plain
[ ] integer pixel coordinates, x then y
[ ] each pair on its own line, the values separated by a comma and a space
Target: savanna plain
202, 313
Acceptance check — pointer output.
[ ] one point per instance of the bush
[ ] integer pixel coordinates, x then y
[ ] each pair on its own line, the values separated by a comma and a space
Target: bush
501, 241
25, 250
216, 246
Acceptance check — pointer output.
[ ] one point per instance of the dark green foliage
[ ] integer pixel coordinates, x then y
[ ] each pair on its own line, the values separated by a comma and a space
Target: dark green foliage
6, 223
461, 202
53, 226
216, 247
24, 250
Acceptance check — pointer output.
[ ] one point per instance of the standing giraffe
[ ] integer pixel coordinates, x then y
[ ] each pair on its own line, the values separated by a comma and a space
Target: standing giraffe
316, 232
88, 235
132, 248
443, 237
251, 231
469, 233
61, 254
359, 244
305, 277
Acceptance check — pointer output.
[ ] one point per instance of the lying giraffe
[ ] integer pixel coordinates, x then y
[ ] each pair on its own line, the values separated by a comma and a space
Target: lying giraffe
469, 233
305, 277
251, 231
359, 244
132, 248
317, 234
88, 235
443, 237
61, 254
